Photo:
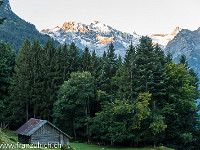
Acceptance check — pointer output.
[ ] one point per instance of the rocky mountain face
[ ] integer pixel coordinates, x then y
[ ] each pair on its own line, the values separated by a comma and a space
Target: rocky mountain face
16, 30
188, 43
96, 36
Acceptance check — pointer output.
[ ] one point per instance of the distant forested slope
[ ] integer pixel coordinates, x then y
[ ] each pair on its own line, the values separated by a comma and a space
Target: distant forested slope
16, 30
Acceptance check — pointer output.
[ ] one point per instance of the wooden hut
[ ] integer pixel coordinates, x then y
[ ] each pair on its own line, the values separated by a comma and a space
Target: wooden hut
42, 131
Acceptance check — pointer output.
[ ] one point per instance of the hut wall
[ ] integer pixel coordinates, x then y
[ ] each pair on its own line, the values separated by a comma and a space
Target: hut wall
45, 139
48, 134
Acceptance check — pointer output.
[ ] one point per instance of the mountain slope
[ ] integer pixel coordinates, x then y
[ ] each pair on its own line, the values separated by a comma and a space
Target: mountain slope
95, 36
188, 43
15, 30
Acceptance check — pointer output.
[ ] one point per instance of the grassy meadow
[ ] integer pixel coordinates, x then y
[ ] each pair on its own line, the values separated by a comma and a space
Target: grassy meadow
8, 137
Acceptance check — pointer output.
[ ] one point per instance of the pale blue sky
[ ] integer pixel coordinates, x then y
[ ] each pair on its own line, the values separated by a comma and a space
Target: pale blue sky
142, 16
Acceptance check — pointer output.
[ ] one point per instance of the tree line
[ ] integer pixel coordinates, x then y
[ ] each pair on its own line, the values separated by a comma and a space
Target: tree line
143, 99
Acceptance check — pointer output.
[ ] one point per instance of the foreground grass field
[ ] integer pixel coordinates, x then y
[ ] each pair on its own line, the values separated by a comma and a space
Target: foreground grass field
12, 139
83, 146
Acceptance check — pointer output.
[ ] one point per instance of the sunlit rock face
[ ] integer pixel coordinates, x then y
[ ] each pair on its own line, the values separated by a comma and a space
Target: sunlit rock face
164, 39
96, 36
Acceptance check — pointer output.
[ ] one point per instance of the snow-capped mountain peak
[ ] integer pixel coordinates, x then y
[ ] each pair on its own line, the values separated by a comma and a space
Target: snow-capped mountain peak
96, 36
163, 39
74, 27
99, 27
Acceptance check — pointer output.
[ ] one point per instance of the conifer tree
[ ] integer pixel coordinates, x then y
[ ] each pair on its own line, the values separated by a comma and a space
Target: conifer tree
74, 59
65, 61
7, 61
145, 61
183, 61
22, 79
86, 60
124, 78
103, 78
119, 61
61, 67
95, 66
95, 69
51, 80
150, 76
37, 79
169, 58
108, 69
112, 61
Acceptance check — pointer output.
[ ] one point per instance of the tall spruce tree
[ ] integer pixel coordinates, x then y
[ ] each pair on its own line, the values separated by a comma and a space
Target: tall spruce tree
51, 78
60, 65
74, 59
22, 79
103, 77
7, 61
65, 61
86, 60
150, 76
108, 69
112, 61
37, 79
124, 78
95, 68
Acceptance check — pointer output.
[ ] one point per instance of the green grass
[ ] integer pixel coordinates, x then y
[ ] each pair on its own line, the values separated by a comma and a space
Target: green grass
10, 137
84, 146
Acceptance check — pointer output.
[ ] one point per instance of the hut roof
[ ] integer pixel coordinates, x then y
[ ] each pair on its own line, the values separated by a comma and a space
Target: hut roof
33, 125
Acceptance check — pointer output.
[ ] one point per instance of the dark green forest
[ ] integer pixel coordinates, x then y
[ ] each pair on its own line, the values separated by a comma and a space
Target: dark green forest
140, 100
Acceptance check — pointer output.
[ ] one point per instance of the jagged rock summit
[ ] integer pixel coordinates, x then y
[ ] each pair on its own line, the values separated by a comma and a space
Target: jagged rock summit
96, 36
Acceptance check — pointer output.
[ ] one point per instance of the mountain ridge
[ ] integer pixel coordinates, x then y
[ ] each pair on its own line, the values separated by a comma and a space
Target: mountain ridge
96, 36
186, 42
